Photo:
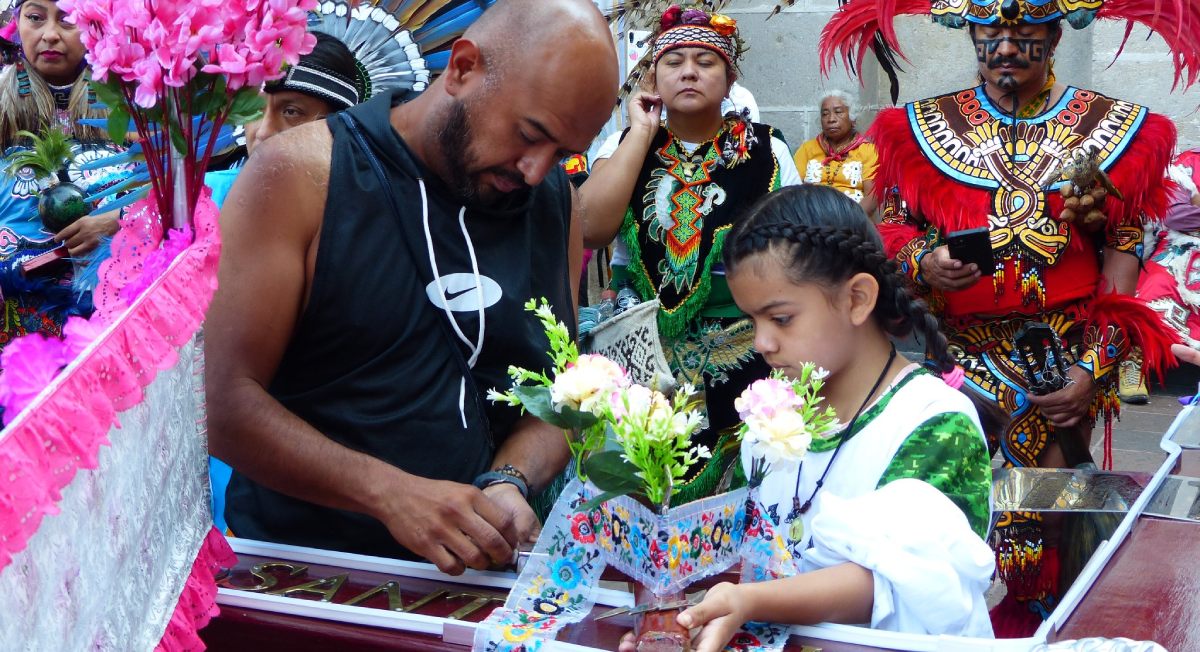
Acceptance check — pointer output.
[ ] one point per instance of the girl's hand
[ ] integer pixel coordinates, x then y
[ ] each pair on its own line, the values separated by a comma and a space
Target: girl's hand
721, 613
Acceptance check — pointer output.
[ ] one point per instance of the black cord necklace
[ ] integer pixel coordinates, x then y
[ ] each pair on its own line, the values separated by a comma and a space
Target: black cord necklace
798, 510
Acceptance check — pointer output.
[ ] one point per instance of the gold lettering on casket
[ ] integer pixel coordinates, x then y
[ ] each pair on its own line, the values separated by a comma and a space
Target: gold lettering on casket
326, 587
424, 600
478, 601
262, 572
392, 589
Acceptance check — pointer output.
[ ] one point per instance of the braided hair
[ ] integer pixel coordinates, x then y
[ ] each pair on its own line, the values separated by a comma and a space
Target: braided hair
824, 237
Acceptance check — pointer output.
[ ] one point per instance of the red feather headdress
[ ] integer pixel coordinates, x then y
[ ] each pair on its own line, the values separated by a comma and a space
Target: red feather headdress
859, 25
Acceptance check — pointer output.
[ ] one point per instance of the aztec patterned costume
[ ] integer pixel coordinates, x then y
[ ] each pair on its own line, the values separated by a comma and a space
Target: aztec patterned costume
42, 303
1170, 283
1046, 269
956, 162
868, 512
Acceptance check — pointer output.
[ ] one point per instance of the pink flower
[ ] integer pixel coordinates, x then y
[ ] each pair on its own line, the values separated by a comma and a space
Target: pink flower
765, 398
148, 74
79, 333
249, 40
30, 363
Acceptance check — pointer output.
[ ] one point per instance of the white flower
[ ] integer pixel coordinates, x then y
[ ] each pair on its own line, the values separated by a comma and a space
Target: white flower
587, 383
782, 438
685, 423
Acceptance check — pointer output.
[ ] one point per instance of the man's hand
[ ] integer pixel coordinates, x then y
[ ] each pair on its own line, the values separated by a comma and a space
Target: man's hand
510, 500
720, 613
645, 112
83, 236
1071, 404
1185, 353
941, 272
452, 525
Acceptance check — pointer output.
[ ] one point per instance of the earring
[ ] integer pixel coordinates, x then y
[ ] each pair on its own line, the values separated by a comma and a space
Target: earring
23, 89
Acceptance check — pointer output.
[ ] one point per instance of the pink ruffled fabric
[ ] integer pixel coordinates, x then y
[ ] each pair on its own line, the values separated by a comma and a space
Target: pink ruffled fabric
198, 602
62, 430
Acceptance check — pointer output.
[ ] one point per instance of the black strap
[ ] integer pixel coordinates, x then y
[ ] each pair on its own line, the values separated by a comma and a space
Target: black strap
447, 334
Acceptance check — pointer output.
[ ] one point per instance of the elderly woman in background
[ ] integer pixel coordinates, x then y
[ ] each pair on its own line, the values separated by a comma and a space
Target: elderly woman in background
840, 156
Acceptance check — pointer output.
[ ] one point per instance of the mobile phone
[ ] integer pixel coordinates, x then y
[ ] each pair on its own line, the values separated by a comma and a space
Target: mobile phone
972, 246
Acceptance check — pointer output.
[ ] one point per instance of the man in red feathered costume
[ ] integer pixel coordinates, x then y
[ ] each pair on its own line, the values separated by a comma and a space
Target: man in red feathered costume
1064, 240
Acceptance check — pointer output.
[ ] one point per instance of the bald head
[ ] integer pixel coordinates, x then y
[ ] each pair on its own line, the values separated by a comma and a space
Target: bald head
565, 43
529, 83
535, 21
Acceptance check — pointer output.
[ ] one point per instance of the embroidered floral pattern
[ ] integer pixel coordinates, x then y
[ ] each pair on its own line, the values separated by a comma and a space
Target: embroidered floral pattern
666, 553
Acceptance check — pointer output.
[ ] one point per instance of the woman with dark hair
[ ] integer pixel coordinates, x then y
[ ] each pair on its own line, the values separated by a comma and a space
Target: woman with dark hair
886, 517
47, 88
669, 195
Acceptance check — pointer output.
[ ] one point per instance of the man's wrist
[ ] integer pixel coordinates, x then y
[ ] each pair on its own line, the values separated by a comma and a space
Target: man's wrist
501, 476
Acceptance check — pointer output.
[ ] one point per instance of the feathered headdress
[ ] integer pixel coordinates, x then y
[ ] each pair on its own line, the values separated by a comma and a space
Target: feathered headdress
674, 26
398, 43
861, 24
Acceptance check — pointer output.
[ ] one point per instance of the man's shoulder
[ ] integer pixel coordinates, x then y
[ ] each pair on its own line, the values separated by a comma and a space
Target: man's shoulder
286, 177
309, 145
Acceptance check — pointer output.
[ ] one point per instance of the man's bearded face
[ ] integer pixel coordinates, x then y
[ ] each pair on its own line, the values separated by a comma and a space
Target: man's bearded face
467, 179
1012, 57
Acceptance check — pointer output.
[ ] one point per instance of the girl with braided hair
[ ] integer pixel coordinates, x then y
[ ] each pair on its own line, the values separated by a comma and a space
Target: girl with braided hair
887, 517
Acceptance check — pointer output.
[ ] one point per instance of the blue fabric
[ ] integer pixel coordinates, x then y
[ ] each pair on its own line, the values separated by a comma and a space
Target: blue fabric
218, 477
218, 472
42, 303
220, 182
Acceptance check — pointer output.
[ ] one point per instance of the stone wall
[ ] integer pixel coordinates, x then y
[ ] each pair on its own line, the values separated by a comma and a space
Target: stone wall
782, 69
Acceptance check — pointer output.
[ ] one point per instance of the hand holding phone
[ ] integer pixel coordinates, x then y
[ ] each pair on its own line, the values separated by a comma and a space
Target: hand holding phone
972, 246
941, 272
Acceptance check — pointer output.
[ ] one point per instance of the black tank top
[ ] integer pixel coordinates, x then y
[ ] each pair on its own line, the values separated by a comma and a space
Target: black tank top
370, 363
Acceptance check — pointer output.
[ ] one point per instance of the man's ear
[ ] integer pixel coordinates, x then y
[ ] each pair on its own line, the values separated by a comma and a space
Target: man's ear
465, 65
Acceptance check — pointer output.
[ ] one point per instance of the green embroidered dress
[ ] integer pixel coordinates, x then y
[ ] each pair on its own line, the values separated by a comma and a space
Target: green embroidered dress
683, 206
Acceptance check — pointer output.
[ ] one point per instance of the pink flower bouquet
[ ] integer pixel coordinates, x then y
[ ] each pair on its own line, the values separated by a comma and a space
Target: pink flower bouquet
183, 68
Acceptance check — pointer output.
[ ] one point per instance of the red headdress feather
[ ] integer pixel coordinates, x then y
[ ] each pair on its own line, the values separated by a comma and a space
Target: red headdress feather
855, 25
1176, 21
1142, 327
859, 25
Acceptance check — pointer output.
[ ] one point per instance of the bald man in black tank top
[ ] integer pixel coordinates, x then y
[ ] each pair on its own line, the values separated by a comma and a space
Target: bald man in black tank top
360, 253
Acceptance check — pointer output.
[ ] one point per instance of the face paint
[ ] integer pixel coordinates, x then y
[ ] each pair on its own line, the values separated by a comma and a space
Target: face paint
1034, 49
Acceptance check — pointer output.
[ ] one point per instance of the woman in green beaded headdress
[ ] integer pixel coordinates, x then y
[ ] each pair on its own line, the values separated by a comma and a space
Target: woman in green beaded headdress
669, 194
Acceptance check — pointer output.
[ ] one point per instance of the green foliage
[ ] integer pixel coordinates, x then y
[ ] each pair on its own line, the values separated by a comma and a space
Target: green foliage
109, 93
247, 105
49, 152
652, 434
655, 436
